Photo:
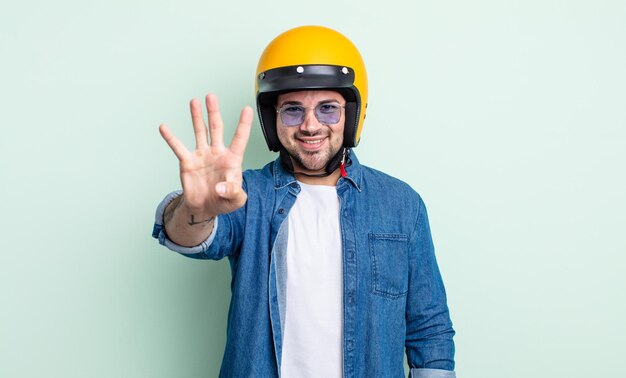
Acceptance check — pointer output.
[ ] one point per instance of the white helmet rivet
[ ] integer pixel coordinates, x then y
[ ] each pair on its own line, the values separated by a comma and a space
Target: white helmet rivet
344, 70
300, 69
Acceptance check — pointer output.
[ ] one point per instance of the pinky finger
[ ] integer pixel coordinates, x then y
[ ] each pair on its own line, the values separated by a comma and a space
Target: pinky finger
175, 144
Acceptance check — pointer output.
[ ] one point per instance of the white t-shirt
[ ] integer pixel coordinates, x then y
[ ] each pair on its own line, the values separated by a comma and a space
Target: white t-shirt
312, 340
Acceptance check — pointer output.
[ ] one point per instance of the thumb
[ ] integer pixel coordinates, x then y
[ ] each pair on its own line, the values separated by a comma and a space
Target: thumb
229, 190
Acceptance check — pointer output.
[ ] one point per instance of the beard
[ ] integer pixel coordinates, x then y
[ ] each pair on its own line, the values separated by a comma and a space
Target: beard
313, 160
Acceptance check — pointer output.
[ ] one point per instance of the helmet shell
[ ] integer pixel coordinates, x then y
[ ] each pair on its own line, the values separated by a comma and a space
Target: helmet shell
306, 58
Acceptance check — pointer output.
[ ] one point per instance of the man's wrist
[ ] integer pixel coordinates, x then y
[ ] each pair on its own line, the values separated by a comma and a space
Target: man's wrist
191, 216
193, 220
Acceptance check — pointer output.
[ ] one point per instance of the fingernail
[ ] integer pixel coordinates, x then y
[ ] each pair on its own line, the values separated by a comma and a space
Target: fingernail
221, 188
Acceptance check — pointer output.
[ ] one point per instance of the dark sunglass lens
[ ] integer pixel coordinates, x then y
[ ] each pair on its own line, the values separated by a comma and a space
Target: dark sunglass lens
292, 115
328, 113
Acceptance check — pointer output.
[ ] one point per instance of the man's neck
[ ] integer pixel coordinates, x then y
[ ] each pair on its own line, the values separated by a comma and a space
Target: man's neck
330, 180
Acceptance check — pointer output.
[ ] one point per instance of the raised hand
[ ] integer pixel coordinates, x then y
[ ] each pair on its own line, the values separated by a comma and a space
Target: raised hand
211, 175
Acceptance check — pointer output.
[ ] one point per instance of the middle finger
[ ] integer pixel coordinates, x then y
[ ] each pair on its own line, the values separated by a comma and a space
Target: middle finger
216, 127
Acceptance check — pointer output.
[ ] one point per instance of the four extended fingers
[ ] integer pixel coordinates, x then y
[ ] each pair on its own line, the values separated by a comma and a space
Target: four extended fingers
216, 129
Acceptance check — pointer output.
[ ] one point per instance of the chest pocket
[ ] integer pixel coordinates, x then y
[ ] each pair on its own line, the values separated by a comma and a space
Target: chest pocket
390, 264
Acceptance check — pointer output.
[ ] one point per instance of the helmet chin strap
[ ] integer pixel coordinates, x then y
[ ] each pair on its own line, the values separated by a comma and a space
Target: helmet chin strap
339, 161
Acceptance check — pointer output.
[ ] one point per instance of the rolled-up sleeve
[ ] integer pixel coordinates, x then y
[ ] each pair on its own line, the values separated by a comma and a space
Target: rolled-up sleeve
158, 231
431, 373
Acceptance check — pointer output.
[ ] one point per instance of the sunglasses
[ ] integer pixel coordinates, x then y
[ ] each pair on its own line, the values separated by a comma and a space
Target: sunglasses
327, 113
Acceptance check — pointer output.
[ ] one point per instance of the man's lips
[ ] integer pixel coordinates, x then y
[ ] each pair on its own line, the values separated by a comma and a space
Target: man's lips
311, 143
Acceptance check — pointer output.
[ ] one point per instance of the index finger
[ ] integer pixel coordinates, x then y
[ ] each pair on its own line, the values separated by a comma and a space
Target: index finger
242, 134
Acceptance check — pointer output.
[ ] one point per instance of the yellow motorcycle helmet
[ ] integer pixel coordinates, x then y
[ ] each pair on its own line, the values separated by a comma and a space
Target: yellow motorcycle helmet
305, 58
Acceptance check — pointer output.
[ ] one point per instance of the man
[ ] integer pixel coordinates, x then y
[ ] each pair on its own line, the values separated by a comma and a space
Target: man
333, 267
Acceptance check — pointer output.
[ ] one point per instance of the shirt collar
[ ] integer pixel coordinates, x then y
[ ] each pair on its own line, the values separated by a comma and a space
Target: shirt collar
282, 177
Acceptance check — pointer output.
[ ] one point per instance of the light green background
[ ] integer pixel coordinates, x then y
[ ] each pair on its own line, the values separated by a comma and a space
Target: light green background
507, 116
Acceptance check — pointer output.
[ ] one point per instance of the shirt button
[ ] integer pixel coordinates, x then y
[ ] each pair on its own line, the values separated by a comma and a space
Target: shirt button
351, 297
294, 185
281, 211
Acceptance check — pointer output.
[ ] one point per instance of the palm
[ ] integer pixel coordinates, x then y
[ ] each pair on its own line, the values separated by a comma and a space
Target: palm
212, 165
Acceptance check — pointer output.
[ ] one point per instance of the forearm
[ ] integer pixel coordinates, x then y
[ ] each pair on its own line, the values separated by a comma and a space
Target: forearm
430, 342
187, 227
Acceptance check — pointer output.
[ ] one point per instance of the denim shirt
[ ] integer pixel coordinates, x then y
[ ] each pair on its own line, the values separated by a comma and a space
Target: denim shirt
393, 295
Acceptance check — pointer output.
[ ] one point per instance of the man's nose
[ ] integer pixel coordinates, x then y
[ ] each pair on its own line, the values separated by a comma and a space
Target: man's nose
310, 120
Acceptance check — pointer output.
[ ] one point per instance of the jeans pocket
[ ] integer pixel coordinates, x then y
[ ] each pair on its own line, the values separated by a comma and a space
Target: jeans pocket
390, 265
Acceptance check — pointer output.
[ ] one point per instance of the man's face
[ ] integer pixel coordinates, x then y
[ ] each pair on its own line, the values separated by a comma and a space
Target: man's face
311, 144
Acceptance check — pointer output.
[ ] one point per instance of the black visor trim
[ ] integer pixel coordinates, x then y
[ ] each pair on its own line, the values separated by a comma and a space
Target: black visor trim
305, 77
